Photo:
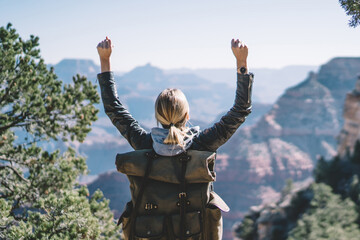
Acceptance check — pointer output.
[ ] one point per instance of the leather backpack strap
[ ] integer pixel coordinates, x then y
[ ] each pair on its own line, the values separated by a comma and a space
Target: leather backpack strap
184, 158
151, 157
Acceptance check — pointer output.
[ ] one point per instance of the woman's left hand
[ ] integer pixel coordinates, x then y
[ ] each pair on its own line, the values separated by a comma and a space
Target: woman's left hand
104, 49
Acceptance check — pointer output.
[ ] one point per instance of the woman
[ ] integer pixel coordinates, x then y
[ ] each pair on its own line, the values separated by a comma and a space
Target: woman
172, 112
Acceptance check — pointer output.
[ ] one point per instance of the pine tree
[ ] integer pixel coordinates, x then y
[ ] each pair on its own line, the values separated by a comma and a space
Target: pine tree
352, 8
328, 217
39, 194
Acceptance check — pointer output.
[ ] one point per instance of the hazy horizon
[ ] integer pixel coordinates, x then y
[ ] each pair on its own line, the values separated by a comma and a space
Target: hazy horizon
187, 34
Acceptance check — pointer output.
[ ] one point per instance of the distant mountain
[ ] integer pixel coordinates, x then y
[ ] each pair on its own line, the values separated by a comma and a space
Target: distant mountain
309, 115
269, 83
301, 125
67, 68
115, 187
311, 209
286, 142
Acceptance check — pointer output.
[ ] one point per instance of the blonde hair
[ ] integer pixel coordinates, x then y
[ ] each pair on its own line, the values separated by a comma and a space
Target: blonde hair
172, 111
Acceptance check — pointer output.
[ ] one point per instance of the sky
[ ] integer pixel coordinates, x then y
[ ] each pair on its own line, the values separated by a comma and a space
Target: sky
187, 34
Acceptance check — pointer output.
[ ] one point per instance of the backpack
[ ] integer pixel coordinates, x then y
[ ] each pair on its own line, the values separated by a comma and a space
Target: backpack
172, 196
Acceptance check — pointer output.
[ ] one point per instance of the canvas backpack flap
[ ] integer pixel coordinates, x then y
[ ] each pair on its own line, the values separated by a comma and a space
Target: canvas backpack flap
201, 167
166, 169
218, 202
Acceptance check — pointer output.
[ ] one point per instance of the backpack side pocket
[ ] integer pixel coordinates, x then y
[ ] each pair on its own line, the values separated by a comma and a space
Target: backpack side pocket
125, 220
213, 222
213, 227
149, 227
192, 228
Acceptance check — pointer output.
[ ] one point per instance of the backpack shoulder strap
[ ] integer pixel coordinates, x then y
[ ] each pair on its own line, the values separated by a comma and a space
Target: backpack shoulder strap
183, 158
151, 156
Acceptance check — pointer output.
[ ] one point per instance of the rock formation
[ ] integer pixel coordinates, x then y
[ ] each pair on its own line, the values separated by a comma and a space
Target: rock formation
350, 132
274, 220
301, 126
287, 141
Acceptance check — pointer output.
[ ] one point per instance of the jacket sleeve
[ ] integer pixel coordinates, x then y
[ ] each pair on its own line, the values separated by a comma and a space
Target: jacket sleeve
119, 115
212, 138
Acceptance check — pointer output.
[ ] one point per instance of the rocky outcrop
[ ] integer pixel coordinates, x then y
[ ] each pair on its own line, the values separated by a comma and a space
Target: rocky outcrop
115, 187
287, 141
350, 132
301, 126
274, 220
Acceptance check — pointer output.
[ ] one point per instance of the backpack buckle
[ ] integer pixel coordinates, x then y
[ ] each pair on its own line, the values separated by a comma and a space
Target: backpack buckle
182, 194
149, 206
184, 157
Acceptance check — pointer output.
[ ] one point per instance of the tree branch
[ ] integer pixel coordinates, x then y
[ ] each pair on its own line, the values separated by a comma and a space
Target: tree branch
4, 196
57, 231
8, 159
7, 90
15, 171
7, 186
8, 225
17, 119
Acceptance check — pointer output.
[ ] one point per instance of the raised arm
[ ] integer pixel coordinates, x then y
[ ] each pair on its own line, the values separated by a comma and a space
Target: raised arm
118, 114
212, 138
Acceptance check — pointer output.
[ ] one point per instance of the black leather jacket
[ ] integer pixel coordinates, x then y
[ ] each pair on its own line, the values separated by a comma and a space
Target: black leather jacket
209, 139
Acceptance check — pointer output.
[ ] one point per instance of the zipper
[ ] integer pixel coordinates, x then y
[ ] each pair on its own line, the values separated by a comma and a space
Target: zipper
249, 89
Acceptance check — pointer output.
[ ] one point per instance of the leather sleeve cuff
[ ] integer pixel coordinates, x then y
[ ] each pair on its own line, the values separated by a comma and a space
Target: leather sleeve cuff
243, 91
245, 76
105, 77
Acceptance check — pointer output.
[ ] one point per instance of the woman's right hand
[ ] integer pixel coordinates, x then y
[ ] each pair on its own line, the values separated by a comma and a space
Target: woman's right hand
240, 51
104, 49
